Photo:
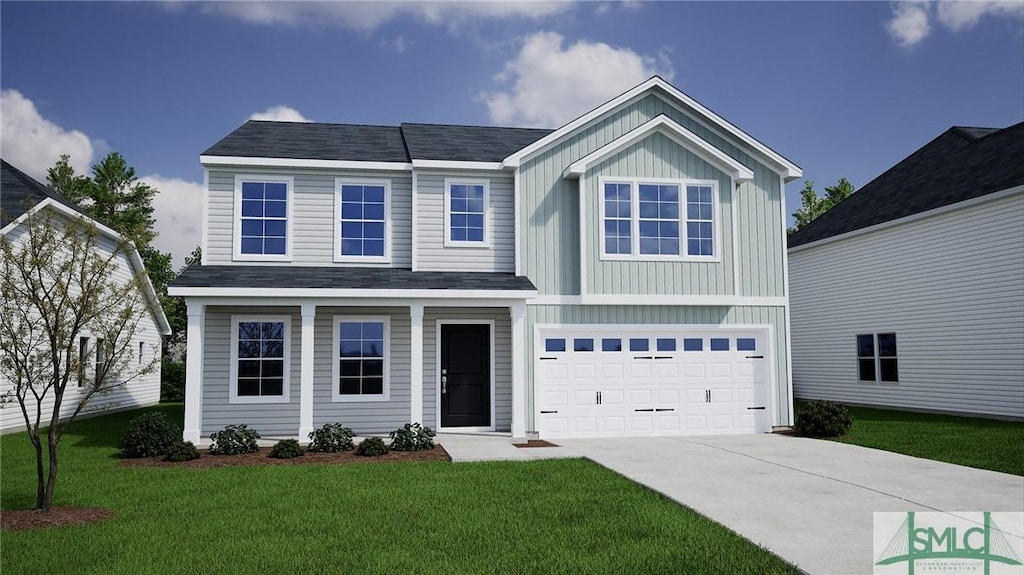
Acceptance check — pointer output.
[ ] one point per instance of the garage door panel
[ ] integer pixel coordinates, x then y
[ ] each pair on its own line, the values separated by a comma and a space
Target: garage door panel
584, 397
641, 423
666, 369
552, 371
612, 371
613, 397
696, 423
643, 396
669, 423
555, 398
614, 424
668, 397
585, 424
721, 369
694, 369
584, 371
639, 369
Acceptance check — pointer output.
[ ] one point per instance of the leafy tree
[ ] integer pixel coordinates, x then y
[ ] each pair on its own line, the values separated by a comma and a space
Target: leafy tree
55, 286
812, 206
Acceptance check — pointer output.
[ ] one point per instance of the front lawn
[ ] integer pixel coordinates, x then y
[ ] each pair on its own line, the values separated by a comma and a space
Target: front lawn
970, 441
538, 517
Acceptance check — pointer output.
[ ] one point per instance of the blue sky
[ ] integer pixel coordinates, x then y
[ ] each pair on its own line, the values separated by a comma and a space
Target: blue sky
842, 89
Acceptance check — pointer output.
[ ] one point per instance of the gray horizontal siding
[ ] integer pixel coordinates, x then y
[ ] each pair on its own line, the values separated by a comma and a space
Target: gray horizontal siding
377, 417
950, 286
431, 253
314, 214
502, 360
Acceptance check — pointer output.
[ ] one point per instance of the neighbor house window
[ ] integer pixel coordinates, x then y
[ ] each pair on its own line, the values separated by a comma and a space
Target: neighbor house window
465, 212
876, 357
363, 229
101, 360
259, 359
83, 359
658, 219
361, 359
263, 228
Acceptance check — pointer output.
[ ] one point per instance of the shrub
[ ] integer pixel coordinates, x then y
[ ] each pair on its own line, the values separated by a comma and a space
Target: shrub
286, 449
330, 438
149, 435
412, 437
372, 447
823, 419
182, 451
234, 440
172, 380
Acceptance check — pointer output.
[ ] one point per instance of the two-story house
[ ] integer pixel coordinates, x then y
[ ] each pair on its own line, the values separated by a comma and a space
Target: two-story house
624, 274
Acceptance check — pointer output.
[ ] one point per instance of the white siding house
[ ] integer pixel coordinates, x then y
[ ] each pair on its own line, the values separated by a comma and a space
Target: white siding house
910, 294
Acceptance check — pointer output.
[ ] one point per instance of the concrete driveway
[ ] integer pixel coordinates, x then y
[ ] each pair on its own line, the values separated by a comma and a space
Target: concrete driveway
808, 501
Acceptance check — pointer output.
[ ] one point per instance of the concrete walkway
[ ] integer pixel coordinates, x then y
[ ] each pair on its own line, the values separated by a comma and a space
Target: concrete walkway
494, 447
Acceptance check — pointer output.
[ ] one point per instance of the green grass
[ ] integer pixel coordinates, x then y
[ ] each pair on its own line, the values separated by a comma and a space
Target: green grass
503, 517
970, 441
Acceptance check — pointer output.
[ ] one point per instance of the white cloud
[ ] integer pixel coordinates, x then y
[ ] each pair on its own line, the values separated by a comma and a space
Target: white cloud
178, 210
368, 16
280, 114
549, 84
911, 21
399, 44
33, 143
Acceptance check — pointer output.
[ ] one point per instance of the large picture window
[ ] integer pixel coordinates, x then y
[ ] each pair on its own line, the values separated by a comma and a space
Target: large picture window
648, 219
465, 209
363, 220
876, 357
262, 224
361, 358
259, 362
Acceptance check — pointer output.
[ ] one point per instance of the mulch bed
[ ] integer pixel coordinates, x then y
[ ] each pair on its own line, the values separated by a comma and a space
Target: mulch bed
535, 443
260, 458
18, 519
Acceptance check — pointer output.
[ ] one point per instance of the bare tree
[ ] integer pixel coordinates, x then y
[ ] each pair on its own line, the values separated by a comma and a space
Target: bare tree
60, 279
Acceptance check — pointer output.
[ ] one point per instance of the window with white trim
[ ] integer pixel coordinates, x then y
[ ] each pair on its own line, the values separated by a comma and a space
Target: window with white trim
465, 212
659, 219
101, 359
655, 219
260, 348
83, 358
363, 229
877, 358
361, 350
262, 226
618, 208
700, 221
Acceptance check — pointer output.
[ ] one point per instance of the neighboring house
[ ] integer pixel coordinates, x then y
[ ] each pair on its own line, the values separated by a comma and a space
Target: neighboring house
20, 197
624, 274
910, 293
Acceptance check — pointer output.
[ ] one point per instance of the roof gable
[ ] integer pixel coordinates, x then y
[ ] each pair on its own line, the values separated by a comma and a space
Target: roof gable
958, 165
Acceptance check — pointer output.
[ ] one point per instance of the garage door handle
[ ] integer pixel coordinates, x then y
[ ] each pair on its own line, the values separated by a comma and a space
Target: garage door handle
543, 412
758, 407
549, 358
643, 357
665, 409
755, 357
651, 409
663, 357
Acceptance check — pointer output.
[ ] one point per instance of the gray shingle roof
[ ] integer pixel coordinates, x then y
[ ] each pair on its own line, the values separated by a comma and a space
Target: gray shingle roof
299, 277
313, 141
960, 164
19, 192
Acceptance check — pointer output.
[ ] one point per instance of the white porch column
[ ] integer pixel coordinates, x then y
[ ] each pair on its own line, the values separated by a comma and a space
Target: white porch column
194, 372
306, 372
518, 313
416, 363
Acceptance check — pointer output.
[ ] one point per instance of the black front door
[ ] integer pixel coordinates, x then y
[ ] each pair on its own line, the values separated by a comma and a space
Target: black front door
465, 375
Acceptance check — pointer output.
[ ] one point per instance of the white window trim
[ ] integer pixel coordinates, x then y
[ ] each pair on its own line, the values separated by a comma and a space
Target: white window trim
634, 196
237, 254
233, 396
336, 395
448, 241
338, 183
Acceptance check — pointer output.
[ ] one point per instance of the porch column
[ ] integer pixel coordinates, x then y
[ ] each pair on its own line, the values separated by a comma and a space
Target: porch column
416, 363
306, 372
194, 372
518, 313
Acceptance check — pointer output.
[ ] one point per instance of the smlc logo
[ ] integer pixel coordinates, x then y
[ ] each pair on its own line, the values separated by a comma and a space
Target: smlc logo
946, 543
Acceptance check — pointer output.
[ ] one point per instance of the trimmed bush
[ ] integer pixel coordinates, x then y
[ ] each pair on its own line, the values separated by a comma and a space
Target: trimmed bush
331, 438
412, 437
372, 447
234, 440
286, 449
823, 419
149, 435
182, 451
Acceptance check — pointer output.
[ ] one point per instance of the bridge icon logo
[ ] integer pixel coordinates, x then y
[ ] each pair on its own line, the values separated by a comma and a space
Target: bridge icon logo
962, 542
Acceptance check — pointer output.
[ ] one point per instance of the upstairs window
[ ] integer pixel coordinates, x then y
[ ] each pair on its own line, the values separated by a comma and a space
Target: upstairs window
263, 227
465, 206
363, 221
700, 220
617, 219
658, 220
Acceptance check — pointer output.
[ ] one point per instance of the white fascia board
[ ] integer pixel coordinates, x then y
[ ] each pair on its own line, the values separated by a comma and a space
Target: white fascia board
692, 300
994, 196
678, 134
327, 293
456, 165
302, 163
790, 170
133, 253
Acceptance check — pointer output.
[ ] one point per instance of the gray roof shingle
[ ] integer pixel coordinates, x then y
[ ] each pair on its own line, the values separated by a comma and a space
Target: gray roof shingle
467, 143
19, 192
960, 164
300, 277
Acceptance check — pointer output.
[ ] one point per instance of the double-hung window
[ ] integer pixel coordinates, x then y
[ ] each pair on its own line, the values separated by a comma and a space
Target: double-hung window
361, 355
363, 229
263, 217
658, 219
260, 348
465, 212
876, 357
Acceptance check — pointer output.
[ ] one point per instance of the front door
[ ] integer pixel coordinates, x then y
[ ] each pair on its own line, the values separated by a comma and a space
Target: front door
465, 375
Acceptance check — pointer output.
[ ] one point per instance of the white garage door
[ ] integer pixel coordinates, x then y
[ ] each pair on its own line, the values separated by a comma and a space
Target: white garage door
642, 380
